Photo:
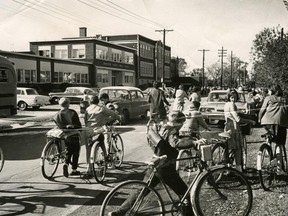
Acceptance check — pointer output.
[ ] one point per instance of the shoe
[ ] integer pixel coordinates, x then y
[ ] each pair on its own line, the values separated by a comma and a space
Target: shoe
65, 170
75, 172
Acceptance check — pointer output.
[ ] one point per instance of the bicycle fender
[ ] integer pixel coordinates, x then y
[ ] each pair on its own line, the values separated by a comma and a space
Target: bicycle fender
259, 155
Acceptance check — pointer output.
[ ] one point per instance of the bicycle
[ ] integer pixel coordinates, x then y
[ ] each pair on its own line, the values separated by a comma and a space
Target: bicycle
270, 158
54, 151
230, 195
221, 152
102, 158
2, 159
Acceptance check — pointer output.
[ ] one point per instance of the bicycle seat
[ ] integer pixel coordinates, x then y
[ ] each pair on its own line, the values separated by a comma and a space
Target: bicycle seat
157, 161
225, 134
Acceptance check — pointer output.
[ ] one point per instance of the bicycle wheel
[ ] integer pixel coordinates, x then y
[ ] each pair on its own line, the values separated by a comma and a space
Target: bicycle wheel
98, 161
2, 159
50, 159
266, 166
218, 154
133, 198
284, 158
231, 195
184, 167
117, 149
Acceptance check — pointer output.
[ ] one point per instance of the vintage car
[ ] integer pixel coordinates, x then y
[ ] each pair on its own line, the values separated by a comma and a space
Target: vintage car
213, 109
74, 94
29, 97
130, 101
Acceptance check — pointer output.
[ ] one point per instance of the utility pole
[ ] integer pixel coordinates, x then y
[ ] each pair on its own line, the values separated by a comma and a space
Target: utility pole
231, 73
222, 54
164, 37
203, 77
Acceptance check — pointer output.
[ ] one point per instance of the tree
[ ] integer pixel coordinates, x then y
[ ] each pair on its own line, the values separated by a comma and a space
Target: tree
270, 59
182, 65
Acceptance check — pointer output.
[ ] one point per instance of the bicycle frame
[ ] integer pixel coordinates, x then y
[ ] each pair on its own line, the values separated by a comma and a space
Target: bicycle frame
201, 167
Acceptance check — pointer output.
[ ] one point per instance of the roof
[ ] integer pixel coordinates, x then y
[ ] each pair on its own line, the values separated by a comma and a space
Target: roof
121, 88
78, 87
24, 88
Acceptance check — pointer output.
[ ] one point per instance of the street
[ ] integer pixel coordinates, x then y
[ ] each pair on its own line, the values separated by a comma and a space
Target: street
24, 190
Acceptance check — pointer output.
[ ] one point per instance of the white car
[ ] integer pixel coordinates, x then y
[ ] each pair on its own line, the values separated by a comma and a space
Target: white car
29, 97
213, 109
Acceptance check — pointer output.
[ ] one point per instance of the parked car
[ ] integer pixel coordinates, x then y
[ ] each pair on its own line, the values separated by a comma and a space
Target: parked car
213, 109
74, 94
130, 101
29, 97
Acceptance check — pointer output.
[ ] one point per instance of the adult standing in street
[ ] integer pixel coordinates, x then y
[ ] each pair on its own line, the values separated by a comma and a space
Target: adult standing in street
157, 100
196, 94
180, 95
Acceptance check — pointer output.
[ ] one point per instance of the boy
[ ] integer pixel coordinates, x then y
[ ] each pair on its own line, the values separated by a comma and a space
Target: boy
194, 120
68, 119
168, 145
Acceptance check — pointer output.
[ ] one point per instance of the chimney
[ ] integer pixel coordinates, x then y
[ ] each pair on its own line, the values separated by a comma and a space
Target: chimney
82, 32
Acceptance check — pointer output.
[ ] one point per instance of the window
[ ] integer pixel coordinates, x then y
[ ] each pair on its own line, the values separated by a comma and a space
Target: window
78, 51
3, 75
44, 51
61, 52
116, 55
26, 76
128, 58
45, 76
101, 52
128, 78
146, 69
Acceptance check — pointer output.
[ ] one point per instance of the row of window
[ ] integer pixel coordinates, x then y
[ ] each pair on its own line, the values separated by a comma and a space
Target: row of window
110, 54
78, 52
61, 51
146, 51
29, 76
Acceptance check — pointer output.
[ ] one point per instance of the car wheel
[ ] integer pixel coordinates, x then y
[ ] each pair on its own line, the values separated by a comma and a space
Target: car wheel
55, 100
36, 107
125, 117
22, 105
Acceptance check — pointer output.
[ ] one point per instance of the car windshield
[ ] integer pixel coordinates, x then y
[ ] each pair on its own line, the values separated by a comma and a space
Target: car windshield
116, 94
222, 97
31, 92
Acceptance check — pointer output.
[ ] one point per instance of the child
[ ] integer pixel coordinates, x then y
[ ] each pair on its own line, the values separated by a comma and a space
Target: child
194, 120
168, 145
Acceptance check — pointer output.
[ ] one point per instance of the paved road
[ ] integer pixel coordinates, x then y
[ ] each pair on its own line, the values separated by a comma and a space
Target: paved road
23, 189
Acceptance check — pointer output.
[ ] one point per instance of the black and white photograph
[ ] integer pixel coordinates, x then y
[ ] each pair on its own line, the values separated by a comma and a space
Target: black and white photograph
143, 107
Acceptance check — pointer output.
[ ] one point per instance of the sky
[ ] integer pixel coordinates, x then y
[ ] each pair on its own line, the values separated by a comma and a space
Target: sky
195, 24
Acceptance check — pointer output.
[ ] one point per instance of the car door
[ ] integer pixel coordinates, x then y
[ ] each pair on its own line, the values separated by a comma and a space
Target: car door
144, 103
136, 104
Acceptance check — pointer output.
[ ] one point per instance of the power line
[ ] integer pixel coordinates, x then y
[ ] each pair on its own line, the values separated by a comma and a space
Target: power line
110, 13
134, 13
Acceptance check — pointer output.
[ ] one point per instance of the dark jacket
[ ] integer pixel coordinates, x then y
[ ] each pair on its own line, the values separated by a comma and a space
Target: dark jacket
66, 117
157, 100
